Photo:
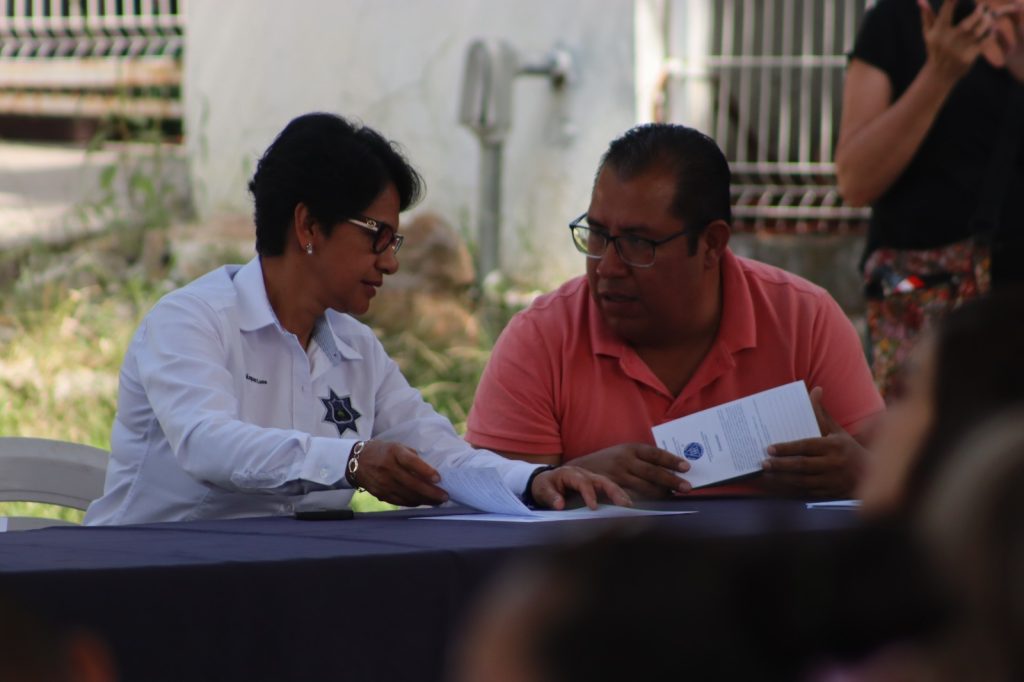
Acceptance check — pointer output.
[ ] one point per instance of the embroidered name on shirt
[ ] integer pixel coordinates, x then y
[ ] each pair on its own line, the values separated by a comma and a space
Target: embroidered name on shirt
255, 380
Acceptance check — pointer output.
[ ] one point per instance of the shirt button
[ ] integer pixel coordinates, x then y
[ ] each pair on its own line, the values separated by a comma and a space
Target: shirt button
324, 472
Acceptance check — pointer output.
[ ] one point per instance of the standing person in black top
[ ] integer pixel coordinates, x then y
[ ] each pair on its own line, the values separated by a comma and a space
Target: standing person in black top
931, 139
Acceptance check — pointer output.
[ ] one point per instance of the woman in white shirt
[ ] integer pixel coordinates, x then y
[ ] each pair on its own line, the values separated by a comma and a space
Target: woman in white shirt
252, 387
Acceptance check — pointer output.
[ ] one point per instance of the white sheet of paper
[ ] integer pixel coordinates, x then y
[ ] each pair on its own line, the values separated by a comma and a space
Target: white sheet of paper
730, 440
604, 511
835, 504
481, 488
325, 499
3, 524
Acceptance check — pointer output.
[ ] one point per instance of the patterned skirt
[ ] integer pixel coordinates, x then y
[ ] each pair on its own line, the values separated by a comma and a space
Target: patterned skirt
908, 291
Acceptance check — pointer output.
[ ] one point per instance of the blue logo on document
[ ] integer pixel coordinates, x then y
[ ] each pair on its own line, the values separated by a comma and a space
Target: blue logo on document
693, 451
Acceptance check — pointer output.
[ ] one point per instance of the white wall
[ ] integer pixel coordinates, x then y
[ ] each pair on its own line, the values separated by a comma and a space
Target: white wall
252, 65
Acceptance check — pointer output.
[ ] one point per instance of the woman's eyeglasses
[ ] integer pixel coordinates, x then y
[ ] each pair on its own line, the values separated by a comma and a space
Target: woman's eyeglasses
384, 236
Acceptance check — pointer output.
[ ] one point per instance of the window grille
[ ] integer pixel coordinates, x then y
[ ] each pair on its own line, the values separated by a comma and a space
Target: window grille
773, 79
91, 58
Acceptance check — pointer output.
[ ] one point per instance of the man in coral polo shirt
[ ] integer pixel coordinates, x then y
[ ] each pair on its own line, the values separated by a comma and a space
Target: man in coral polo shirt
667, 322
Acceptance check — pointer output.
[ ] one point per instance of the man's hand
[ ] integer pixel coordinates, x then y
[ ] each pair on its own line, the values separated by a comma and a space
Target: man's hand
396, 474
815, 467
643, 469
550, 488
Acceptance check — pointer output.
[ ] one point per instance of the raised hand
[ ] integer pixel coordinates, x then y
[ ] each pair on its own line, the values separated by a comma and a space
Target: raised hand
1010, 36
953, 48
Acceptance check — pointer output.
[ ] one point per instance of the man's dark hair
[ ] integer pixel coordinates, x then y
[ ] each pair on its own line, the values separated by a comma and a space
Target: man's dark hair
334, 167
701, 172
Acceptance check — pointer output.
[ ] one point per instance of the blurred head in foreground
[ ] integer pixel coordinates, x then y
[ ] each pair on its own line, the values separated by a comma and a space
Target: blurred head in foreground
33, 650
650, 606
972, 522
968, 369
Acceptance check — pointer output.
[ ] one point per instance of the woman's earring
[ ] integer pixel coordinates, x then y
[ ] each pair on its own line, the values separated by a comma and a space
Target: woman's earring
309, 248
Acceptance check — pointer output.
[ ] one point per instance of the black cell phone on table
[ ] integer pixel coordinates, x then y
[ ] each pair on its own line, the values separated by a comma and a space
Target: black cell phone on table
963, 9
324, 514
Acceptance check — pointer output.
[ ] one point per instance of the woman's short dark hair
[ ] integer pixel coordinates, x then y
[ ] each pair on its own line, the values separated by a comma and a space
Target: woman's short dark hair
979, 372
699, 167
334, 167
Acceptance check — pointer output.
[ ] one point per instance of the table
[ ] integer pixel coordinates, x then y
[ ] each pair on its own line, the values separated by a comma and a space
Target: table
374, 598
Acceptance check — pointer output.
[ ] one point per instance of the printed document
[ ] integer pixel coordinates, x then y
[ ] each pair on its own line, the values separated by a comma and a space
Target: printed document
835, 504
603, 511
482, 488
731, 440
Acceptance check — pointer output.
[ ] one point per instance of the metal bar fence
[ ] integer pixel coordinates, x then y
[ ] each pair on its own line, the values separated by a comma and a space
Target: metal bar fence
90, 58
774, 77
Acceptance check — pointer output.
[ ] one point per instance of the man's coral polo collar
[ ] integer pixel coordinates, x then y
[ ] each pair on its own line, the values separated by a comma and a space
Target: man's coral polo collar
736, 332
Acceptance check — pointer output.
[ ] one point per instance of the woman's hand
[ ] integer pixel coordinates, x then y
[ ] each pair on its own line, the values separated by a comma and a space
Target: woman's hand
394, 473
1011, 41
880, 136
953, 48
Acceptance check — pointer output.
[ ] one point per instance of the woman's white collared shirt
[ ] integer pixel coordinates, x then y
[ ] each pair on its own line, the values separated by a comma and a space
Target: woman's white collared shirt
221, 413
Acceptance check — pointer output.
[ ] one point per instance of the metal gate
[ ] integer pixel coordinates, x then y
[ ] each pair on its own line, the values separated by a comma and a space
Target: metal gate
764, 78
91, 58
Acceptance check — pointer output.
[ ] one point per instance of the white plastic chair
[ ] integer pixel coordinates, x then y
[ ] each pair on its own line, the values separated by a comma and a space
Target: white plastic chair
51, 472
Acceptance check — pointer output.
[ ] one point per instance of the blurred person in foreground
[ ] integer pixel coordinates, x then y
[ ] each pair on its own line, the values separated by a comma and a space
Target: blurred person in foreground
969, 368
654, 606
969, 524
932, 138
32, 649
941, 465
253, 386
666, 322
972, 520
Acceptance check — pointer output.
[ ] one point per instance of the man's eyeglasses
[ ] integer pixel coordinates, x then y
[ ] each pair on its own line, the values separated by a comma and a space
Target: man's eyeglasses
635, 251
384, 236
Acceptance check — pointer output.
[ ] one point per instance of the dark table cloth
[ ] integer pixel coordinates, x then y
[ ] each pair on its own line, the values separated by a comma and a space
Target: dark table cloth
374, 598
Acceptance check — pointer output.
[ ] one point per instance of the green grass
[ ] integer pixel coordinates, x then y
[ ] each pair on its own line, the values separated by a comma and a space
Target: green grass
60, 352
447, 378
61, 347
60, 360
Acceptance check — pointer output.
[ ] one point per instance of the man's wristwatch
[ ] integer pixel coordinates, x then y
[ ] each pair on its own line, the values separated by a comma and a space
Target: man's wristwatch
353, 464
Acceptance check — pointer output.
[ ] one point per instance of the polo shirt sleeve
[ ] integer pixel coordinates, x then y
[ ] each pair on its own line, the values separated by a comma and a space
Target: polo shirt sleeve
180, 356
515, 409
838, 365
403, 416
